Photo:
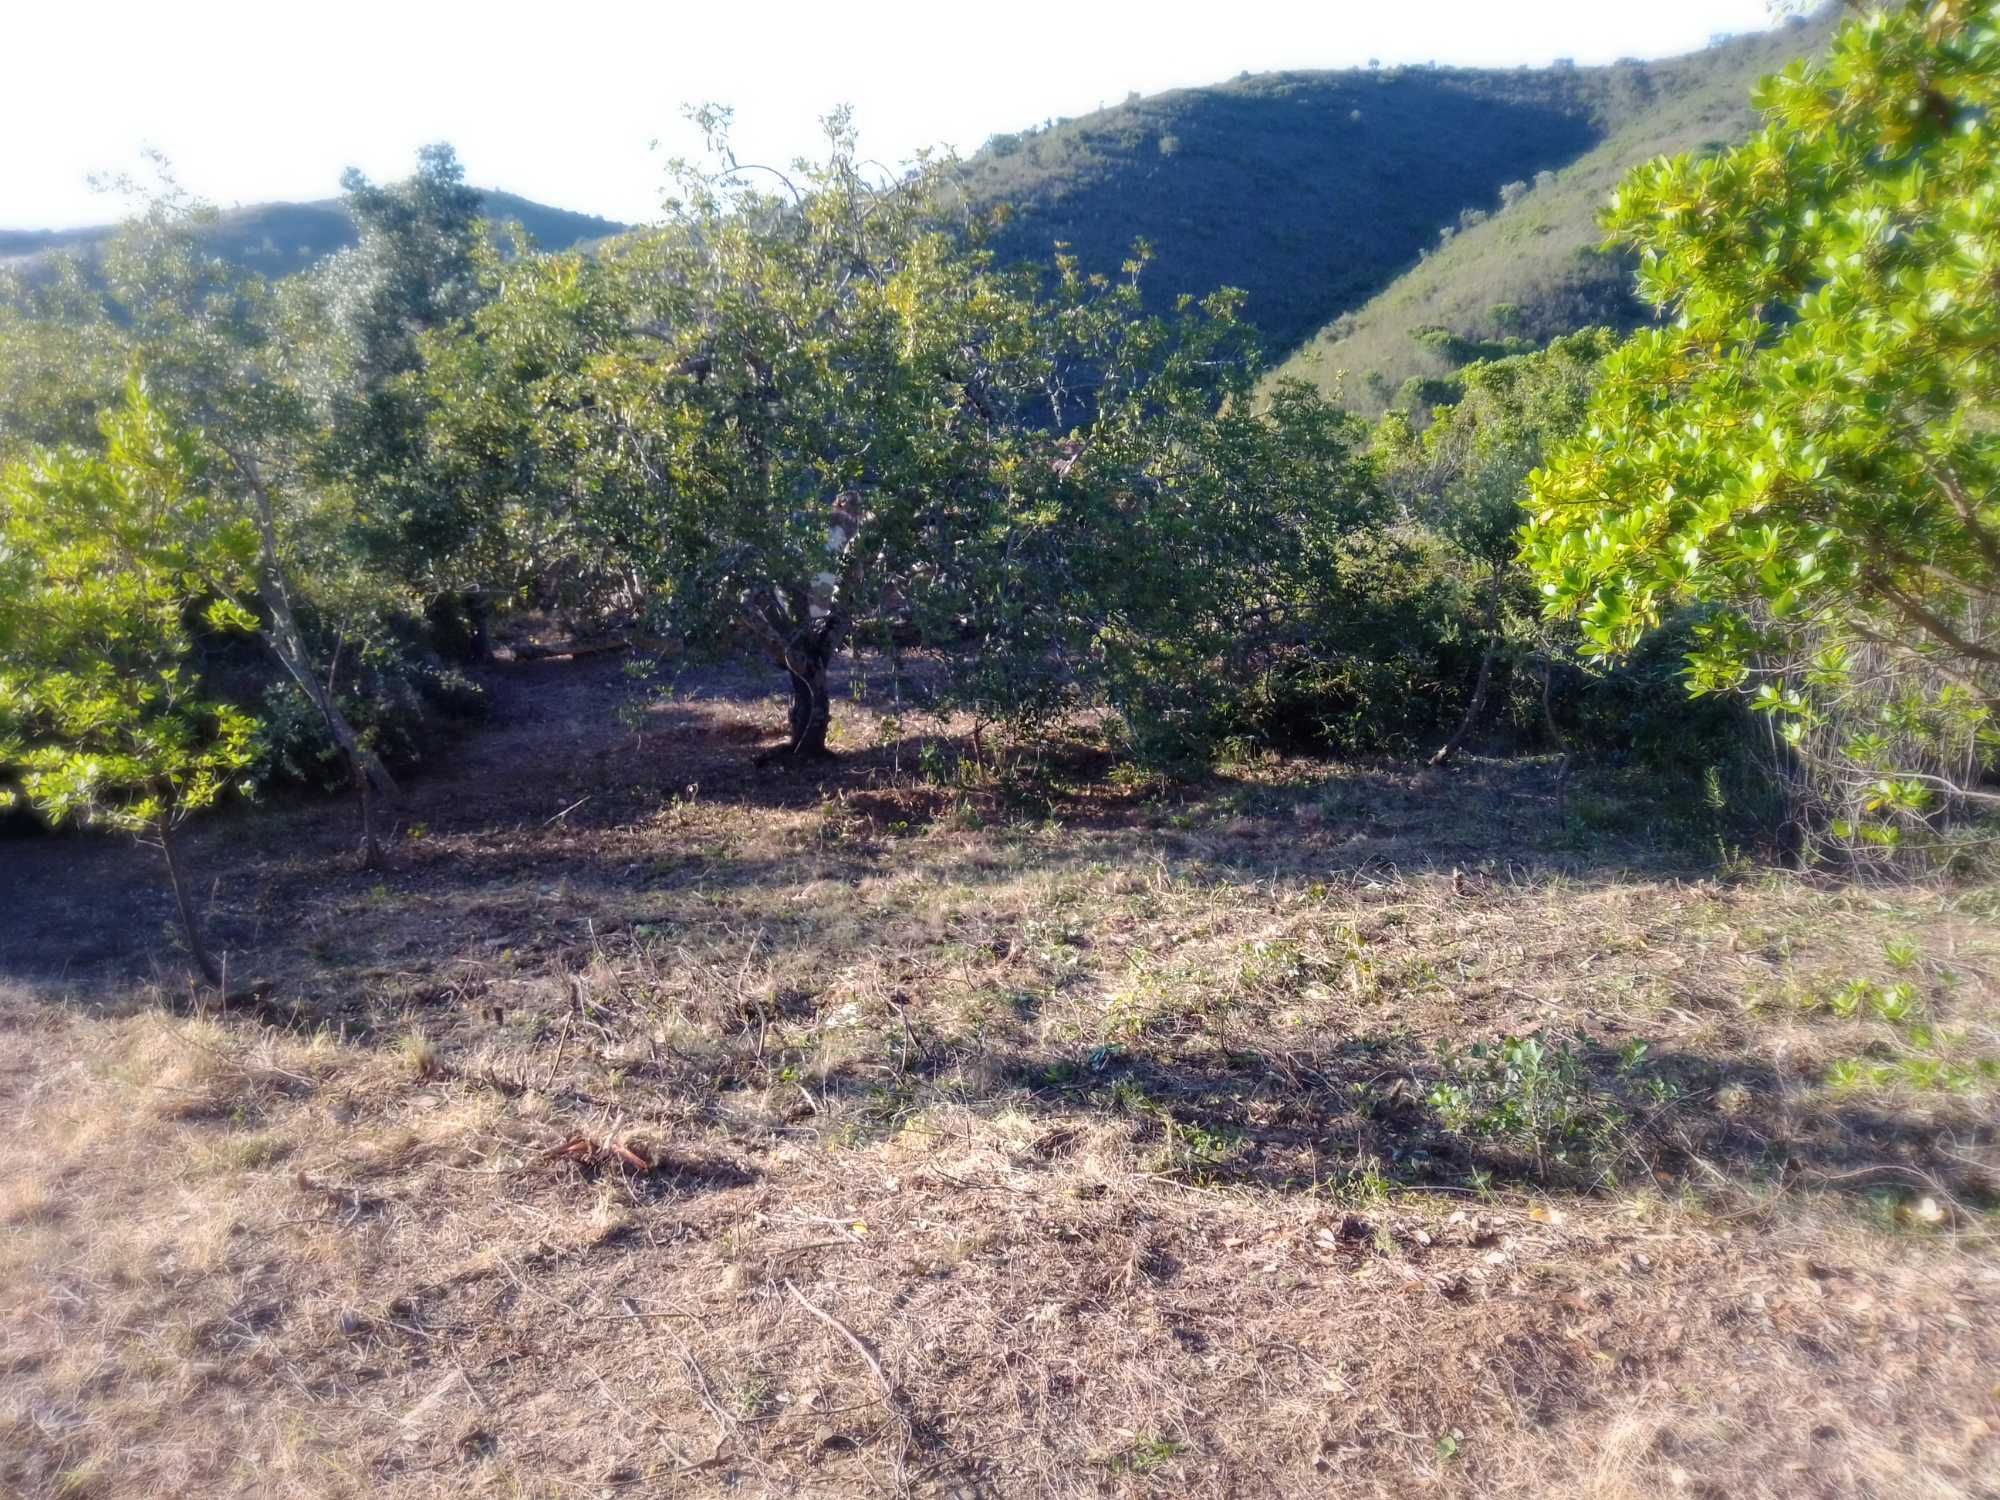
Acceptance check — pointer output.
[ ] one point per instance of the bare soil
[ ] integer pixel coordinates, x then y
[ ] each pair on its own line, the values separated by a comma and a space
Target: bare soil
1003, 1123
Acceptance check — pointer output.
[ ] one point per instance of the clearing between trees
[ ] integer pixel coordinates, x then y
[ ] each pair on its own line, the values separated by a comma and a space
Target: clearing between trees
948, 1124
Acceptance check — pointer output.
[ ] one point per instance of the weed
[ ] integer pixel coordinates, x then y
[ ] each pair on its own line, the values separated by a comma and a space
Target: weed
1194, 1153
931, 765
81, 1479
1363, 1183
1897, 1003
420, 1055
1128, 1098
751, 1395
1146, 1454
1917, 1074
1537, 1092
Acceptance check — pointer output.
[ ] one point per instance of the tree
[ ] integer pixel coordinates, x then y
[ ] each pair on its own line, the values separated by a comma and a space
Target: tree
225, 361
109, 564
795, 413
1464, 476
1810, 448
54, 375
422, 263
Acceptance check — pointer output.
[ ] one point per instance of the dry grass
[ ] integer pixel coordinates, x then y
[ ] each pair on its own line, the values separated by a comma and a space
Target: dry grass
960, 1139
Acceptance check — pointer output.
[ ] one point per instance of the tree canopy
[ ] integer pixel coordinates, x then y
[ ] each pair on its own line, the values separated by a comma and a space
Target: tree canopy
110, 562
813, 403
1809, 450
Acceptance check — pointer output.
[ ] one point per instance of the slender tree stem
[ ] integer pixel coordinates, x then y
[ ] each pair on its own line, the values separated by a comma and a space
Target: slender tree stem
1472, 710
190, 921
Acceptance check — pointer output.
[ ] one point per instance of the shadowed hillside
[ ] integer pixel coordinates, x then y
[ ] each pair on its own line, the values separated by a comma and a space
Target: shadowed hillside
1533, 268
1313, 191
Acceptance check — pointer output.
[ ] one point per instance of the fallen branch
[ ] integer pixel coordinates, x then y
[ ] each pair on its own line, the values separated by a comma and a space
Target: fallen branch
892, 1394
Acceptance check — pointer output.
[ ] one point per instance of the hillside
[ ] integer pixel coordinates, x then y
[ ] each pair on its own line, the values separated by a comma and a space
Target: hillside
1313, 191
279, 238
1534, 269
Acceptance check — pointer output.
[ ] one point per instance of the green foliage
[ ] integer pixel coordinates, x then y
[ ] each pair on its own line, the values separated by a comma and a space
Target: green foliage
111, 565
1374, 665
251, 373
1549, 1096
1811, 447
795, 416
423, 263
400, 700
1466, 473
1456, 349
1146, 1454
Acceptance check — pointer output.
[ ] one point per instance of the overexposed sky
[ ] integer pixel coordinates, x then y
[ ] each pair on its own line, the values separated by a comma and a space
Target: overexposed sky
562, 101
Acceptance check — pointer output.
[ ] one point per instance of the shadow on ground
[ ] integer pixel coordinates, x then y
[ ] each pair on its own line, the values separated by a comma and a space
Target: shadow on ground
560, 828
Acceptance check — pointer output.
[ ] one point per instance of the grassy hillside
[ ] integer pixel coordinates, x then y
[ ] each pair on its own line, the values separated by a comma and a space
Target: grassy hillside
1313, 191
279, 238
1534, 268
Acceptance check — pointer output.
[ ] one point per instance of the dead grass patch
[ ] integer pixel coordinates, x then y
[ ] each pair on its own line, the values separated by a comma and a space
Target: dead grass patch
1122, 1138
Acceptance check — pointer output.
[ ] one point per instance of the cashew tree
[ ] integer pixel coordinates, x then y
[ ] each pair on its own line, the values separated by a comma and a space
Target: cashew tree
1464, 477
112, 562
812, 405
225, 360
1810, 448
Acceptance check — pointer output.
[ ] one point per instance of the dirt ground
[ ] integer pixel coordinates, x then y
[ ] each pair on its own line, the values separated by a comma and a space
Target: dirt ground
1012, 1124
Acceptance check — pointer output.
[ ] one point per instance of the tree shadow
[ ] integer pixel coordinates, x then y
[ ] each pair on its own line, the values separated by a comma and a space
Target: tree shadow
552, 833
1381, 1112
558, 786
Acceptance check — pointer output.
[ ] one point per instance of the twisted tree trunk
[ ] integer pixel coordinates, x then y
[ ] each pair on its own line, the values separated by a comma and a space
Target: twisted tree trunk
288, 643
364, 767
809, 660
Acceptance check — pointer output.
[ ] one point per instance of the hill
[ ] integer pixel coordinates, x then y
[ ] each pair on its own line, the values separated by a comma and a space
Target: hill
1313, 191
1533, 268
280, 238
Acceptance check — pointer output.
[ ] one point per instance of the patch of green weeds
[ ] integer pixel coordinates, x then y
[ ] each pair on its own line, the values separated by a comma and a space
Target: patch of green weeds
1540, 1093
1147, 1454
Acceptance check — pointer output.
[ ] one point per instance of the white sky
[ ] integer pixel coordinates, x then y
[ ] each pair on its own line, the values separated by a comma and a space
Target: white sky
560, 102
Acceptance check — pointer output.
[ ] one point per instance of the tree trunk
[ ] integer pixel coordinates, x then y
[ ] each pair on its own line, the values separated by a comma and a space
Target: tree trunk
1472, 710
805, 647
807, 657
1555, 734
190, 922
371, 847
812, 706
364, 768
287, 643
